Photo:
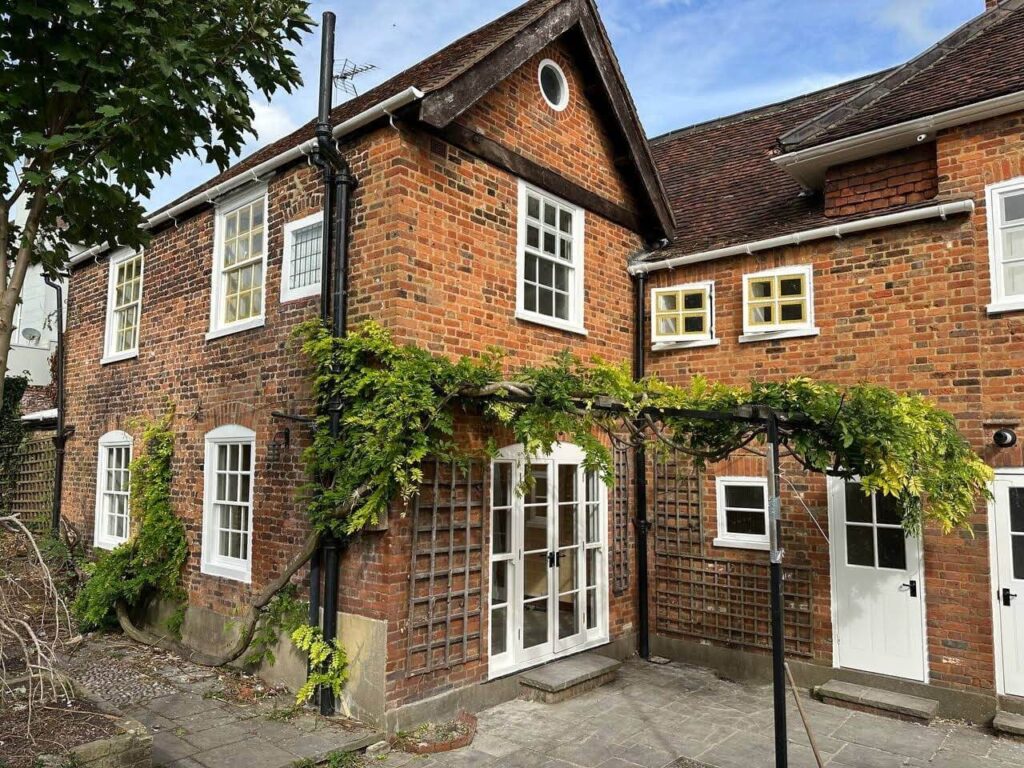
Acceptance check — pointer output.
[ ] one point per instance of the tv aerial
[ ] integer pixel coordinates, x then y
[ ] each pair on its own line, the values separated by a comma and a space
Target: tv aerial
344, 81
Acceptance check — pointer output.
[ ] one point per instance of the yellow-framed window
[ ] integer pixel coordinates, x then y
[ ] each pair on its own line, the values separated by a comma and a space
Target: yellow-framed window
682, 313
778, 300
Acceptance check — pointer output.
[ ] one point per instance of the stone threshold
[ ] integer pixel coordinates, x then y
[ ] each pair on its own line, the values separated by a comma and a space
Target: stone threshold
567, 678
900, 706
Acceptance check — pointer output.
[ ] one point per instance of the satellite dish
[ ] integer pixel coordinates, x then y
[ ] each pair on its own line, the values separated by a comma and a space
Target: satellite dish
31, 334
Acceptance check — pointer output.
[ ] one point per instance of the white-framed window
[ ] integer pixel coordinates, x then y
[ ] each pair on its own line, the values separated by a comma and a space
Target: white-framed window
124, 306
742, 512
778, 303
683, 315
229, 472
553, 85
1005, 207
302, 259
112, 524
549, 261
239, 263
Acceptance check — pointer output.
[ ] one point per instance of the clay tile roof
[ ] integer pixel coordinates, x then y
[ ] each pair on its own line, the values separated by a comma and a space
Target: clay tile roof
721, 182
979, 61
428, 75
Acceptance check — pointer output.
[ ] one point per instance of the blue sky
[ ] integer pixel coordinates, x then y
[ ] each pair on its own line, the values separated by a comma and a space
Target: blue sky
685, 61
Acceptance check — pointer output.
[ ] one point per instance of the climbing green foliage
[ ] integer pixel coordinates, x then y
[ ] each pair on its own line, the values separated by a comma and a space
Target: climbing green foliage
11, 434
284, 614
148, 564
328, 663
396, 406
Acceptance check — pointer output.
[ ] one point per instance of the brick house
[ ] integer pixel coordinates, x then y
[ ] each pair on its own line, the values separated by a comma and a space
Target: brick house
508, 196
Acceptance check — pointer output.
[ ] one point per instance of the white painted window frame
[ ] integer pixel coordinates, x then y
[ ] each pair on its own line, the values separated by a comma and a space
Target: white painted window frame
779, 330
685, 340
562, 453
739, 540
575, 323
313, 289
116, 260
211, 561
225, 207
994, 194
560, 105
113, 439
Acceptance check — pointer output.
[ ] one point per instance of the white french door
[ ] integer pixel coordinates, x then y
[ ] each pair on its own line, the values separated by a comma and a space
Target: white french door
877, 585
548, 593
1007, 510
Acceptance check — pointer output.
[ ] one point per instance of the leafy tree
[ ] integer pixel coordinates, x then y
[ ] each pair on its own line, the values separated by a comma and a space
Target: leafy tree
98, 96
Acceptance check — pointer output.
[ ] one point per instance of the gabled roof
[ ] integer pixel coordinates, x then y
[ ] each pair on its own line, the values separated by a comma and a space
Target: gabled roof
981, 60
455, 77
722, 184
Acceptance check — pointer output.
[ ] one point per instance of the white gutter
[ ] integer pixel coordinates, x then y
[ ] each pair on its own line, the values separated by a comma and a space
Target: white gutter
384, 108
808, 165
940, 211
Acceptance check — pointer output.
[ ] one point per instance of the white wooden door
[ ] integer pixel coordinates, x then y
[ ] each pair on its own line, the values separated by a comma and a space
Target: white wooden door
877, 587
1008, 513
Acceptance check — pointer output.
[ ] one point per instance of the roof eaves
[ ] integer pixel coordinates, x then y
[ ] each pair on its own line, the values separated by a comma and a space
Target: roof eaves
810, 131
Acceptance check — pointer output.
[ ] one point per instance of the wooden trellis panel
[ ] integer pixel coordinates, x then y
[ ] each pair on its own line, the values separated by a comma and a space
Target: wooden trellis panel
727, 602
32, 494
674, 495
621, 505
446, 575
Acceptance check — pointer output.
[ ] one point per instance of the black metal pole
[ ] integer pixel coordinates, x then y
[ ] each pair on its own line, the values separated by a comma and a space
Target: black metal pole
330, 553
778, 624
60, 439
640, 471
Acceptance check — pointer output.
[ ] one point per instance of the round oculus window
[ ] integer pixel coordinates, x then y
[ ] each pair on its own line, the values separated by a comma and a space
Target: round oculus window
553, 85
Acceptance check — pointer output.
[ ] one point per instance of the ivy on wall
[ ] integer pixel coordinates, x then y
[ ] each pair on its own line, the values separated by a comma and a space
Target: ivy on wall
395, 406
148, 564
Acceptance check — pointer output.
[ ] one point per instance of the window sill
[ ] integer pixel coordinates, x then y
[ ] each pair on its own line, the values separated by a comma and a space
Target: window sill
245, 325
300, 294
748, 338
116, 358
551, 322
660, 346
738, 544
108, 544
226, 572
999, 307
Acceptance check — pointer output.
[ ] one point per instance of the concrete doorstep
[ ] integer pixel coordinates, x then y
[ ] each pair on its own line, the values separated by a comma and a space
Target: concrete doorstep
899, 705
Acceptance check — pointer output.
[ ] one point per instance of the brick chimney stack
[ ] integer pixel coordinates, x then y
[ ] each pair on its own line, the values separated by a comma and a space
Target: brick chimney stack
990, 4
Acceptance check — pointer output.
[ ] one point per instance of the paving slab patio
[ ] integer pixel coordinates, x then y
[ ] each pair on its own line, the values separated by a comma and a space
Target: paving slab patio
679, 716
204, 718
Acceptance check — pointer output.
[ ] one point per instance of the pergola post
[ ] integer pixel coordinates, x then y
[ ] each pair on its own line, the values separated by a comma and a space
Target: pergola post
775, 555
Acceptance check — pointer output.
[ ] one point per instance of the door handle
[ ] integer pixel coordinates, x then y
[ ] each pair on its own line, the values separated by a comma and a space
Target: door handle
554, 558
1007, 596
912, 586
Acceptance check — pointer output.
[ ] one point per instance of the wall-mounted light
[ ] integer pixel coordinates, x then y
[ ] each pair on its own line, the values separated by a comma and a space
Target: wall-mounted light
282, 439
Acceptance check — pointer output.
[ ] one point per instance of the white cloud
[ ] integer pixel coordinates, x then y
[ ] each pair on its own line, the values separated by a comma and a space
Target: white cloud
913, 18
271, 121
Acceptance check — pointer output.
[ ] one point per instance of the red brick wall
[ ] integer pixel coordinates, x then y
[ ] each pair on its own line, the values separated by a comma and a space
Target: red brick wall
433, 257
897, 178
904, 307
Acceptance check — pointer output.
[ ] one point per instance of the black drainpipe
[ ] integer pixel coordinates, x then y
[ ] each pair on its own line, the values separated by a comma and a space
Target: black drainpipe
640, 471
59, 439
338, 185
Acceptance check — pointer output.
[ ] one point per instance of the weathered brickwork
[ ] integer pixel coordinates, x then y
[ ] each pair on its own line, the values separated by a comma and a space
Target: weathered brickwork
904, 307
433, 257
903, 177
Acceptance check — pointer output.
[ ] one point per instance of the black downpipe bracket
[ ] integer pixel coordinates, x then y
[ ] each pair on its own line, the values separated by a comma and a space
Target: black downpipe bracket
640, 472
60, 439
338, 185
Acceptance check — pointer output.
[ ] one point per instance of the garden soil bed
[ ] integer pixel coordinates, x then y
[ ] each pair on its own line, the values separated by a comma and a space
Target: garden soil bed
56, 729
